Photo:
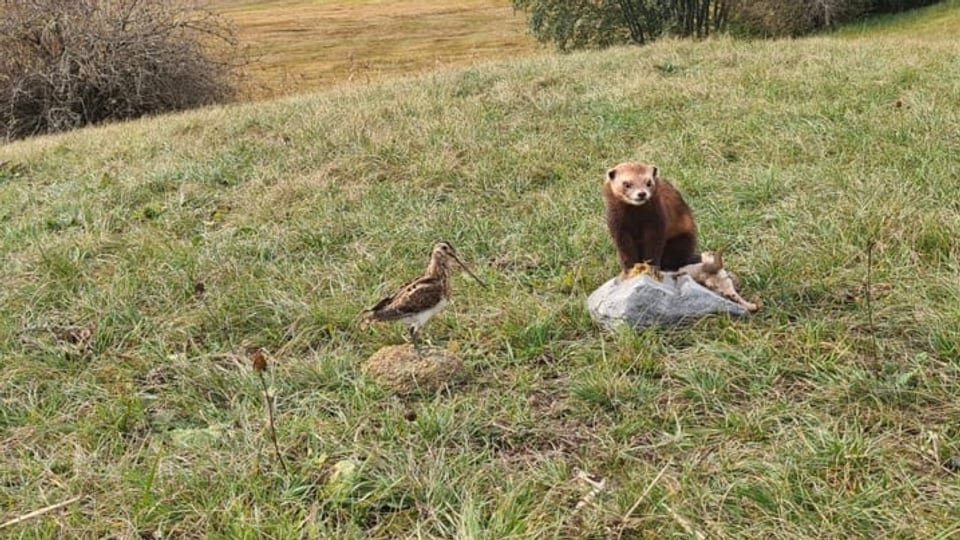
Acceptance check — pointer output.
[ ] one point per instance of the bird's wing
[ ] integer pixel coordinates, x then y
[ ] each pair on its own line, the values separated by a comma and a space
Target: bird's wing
414, 297
381, 304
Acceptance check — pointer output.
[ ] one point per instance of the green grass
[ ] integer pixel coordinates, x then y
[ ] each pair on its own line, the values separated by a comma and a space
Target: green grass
805, 421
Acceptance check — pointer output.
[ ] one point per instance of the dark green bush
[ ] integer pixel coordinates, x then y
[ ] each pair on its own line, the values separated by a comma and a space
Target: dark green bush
892, 6
576, 24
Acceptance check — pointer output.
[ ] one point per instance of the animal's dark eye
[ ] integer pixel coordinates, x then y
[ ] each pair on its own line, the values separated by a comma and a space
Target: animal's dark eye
628, 185
649, 183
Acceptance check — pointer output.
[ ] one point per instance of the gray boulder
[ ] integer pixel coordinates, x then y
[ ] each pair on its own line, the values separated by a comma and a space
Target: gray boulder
643, 301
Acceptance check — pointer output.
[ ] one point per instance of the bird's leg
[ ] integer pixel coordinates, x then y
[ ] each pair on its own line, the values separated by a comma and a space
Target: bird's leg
415, 338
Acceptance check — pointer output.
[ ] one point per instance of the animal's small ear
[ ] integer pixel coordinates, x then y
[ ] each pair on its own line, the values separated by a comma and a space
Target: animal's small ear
611, 174
656, 173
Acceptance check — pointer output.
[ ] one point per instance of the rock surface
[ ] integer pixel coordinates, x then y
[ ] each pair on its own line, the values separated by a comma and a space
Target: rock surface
643, 301
403, 370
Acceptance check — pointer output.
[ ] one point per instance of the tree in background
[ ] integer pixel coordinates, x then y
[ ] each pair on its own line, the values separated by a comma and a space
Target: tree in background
696, 18
575, 24
69, 63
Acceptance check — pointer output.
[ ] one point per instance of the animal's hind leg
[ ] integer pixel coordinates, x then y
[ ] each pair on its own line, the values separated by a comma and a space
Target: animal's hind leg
680, 251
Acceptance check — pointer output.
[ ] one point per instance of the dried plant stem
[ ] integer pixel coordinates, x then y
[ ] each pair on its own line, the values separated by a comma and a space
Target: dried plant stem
868, 294
38, 512
273, 431
596, 487
643, 495
684, 524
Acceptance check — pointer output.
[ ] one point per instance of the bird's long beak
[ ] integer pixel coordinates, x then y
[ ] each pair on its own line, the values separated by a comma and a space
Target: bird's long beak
464, 266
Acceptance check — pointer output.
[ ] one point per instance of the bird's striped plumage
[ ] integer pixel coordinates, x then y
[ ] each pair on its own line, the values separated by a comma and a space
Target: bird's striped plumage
417, 301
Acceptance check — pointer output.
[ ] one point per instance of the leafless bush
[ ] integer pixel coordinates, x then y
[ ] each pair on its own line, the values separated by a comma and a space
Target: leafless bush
69, 63
796, 17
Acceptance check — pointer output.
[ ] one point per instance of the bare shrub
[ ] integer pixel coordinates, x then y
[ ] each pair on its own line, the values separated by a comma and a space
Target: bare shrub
69, 63
796, 17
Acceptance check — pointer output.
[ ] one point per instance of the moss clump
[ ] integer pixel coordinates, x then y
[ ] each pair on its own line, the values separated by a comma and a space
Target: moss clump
404, 370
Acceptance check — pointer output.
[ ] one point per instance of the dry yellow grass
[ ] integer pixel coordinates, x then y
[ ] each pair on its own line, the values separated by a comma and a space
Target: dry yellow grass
303, 45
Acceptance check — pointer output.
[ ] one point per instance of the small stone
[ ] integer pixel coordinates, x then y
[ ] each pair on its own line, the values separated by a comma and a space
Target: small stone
642, 302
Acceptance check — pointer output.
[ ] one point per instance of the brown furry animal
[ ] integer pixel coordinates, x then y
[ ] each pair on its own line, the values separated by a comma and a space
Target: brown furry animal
648, 219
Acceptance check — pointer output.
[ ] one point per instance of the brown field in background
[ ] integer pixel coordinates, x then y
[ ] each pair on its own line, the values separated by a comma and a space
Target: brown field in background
302, 45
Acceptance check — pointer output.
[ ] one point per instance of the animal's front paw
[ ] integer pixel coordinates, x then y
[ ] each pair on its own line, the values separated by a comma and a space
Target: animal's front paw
642, 269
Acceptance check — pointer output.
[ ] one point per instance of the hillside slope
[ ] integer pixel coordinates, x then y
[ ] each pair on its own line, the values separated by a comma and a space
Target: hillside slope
938, 21
308, 45
143, 262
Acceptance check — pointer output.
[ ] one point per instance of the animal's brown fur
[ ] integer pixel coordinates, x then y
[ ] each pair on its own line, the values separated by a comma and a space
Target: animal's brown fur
648, 220
711, 274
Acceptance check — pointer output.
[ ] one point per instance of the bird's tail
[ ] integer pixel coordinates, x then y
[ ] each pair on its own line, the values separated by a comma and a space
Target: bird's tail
364, 318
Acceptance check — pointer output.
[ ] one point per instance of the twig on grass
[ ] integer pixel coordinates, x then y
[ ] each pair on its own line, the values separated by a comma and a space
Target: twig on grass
39, 512
684, 524
596, 487
642, 496
259, 366
868, 297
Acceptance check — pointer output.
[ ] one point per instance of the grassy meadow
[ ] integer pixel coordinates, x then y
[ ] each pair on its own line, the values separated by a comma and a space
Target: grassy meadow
144, 262
308, 45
